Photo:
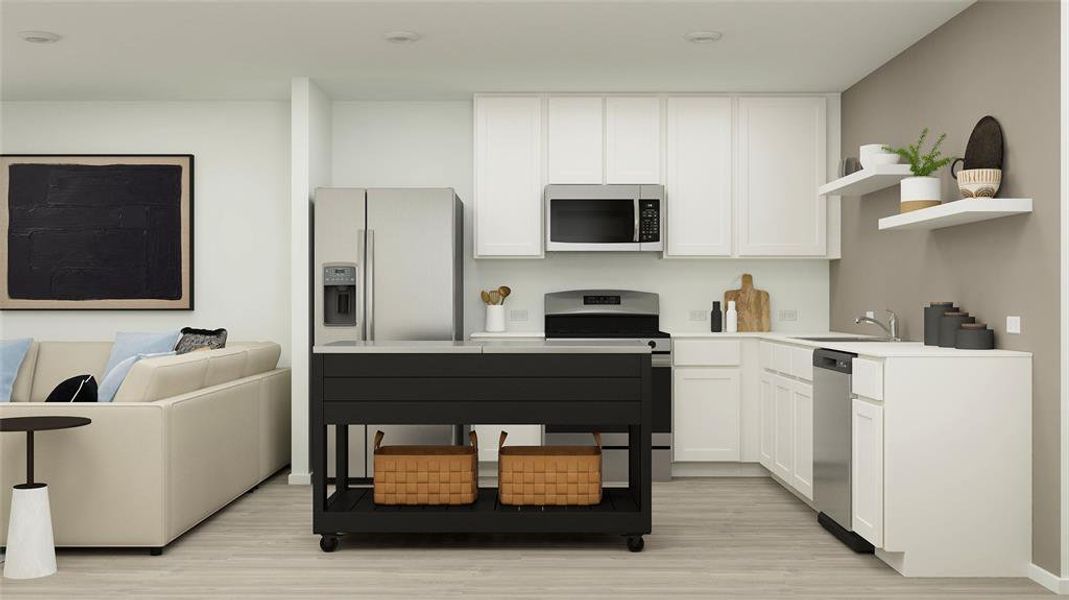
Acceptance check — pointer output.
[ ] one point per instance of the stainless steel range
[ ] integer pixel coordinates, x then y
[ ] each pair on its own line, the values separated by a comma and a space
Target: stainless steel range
617, 315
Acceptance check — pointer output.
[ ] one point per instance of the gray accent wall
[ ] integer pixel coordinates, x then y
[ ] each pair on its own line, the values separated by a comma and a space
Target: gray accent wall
998, 58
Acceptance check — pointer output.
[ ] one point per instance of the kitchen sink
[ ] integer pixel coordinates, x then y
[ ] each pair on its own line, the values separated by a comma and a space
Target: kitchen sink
842, 339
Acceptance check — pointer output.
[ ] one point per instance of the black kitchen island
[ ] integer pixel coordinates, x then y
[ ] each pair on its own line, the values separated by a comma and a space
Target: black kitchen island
538, 382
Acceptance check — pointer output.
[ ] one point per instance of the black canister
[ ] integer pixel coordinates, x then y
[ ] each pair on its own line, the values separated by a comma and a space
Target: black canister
974, 336
949, 326
716, 318
933, 315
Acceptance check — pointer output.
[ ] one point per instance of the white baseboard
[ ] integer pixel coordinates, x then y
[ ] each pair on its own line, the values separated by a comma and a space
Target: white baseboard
300, 479
718, 469
1058, 585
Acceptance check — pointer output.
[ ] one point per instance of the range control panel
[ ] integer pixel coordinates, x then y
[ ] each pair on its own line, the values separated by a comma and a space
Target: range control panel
649, 220
600, 300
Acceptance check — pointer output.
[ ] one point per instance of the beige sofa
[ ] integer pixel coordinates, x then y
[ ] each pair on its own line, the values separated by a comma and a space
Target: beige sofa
184, 436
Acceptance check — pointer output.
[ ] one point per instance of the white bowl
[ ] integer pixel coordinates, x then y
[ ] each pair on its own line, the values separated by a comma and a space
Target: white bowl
879, 158
870, 149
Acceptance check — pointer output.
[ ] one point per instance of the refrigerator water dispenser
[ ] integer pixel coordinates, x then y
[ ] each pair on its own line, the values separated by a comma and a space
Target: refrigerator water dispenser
339, 295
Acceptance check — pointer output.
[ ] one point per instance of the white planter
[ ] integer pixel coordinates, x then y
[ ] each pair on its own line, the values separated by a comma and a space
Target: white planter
30, 550
920, 192
495, 318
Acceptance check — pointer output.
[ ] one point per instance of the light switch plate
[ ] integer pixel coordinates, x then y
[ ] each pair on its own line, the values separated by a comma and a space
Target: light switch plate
699, 315
1013, 324
518, 315
788, 314
870, 314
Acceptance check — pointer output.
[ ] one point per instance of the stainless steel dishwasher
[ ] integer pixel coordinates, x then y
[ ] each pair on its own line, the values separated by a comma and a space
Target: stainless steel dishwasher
833, 445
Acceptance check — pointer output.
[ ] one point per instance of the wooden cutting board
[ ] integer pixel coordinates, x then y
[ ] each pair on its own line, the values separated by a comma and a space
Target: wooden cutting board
752, 304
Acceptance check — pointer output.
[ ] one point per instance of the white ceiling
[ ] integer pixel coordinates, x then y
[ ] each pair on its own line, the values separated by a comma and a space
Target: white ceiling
180, 49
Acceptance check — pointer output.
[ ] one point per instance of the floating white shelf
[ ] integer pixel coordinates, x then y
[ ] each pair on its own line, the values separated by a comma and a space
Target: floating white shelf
865, 181
959, 212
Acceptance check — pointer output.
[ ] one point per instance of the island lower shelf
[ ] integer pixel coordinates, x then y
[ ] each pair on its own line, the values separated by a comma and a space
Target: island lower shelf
355, 508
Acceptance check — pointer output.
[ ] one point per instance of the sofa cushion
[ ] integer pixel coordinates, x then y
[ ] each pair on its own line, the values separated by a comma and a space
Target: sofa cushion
113, 379
12, 353
226, 364
20, 392
57, 361
132, 343
152, 379
262, 356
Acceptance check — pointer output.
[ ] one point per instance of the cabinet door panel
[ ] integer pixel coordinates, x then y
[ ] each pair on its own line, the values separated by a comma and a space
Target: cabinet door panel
508, 176
706, 408
632, 139
867, 471
767, 392
698, 176
802, 478
780, 161
576, 139
783, 443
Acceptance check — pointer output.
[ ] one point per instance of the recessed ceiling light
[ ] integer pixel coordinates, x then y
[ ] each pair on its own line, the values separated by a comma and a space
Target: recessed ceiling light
39, 37
702, 37
402, 37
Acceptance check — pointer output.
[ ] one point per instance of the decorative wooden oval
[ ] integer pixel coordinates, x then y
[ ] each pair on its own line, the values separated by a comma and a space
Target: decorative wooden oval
984, 150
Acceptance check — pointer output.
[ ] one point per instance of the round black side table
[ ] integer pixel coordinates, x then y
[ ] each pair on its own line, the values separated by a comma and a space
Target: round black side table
31, 548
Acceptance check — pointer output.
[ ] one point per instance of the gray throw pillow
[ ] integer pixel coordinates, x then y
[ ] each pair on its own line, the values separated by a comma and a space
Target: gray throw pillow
200, 339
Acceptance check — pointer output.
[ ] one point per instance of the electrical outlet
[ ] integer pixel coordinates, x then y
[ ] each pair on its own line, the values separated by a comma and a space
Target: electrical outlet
870, 314
518, 315
788, 314
699, 315
1013, 324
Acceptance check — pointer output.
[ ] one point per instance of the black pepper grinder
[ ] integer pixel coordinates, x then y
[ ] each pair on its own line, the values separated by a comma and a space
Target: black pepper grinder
716, 320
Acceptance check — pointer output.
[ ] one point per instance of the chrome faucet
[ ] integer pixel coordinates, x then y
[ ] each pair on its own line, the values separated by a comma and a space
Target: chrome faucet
891, 328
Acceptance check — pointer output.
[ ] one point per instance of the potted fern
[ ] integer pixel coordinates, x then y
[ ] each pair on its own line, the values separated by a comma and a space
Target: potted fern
922, 190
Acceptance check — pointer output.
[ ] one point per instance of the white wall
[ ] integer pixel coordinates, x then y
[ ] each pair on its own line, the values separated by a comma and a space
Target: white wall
310, 164
408, 143
241, 208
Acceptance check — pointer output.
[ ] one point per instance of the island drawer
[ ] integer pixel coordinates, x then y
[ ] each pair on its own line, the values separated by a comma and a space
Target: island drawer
482, 365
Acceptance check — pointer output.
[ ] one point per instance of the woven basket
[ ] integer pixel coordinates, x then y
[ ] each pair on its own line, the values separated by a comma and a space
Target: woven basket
426, 474
549, 475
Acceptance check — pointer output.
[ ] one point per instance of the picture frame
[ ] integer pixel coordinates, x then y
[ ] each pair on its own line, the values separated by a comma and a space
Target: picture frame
96, 231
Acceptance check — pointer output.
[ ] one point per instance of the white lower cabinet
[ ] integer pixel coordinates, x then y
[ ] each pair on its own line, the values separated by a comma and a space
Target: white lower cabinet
867, 470
766, 390
802, 476
786, 417
706, 414
519, 435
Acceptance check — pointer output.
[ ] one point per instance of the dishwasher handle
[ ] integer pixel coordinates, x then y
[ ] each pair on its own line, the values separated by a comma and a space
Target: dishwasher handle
834, 360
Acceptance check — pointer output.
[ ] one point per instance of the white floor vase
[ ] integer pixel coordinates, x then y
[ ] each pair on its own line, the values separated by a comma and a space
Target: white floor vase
31, 551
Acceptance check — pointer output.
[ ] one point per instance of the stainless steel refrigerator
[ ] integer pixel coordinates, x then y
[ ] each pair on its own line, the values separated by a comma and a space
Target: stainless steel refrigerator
388, 265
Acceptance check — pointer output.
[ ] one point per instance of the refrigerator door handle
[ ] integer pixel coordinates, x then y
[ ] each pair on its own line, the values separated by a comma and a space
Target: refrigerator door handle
369, 270
361, 255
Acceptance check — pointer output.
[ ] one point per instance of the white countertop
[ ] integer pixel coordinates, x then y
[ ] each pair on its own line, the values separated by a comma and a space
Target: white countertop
870, 349
527, 346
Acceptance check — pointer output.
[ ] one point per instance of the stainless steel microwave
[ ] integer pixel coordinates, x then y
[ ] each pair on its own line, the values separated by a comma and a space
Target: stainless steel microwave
614, 218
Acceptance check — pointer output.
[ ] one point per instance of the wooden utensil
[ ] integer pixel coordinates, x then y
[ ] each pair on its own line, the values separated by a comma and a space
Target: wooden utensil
495, 297
485, 296
752, 305
504, 291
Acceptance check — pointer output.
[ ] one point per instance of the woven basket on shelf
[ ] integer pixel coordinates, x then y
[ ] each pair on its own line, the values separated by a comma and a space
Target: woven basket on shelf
549, 475
426, 474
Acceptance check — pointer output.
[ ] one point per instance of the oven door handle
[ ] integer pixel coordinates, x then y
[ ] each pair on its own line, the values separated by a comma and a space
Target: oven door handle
662, 360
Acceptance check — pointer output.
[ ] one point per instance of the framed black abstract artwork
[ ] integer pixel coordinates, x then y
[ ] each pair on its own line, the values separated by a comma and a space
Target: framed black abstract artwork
96, 232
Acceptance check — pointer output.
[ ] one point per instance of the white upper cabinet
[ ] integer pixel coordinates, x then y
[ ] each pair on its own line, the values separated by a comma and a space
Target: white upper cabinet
633, 139
780, 162
576, 139
508, 176
698, 176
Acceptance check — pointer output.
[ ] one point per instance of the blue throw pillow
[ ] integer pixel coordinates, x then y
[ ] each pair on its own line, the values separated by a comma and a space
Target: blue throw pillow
113, 379
11, 354
132, 343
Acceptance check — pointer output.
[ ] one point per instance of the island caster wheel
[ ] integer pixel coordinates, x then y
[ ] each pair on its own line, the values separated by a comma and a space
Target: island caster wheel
328, 543
636, 544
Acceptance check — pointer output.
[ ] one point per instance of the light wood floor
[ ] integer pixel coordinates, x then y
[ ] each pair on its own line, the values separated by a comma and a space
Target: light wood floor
713, 538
